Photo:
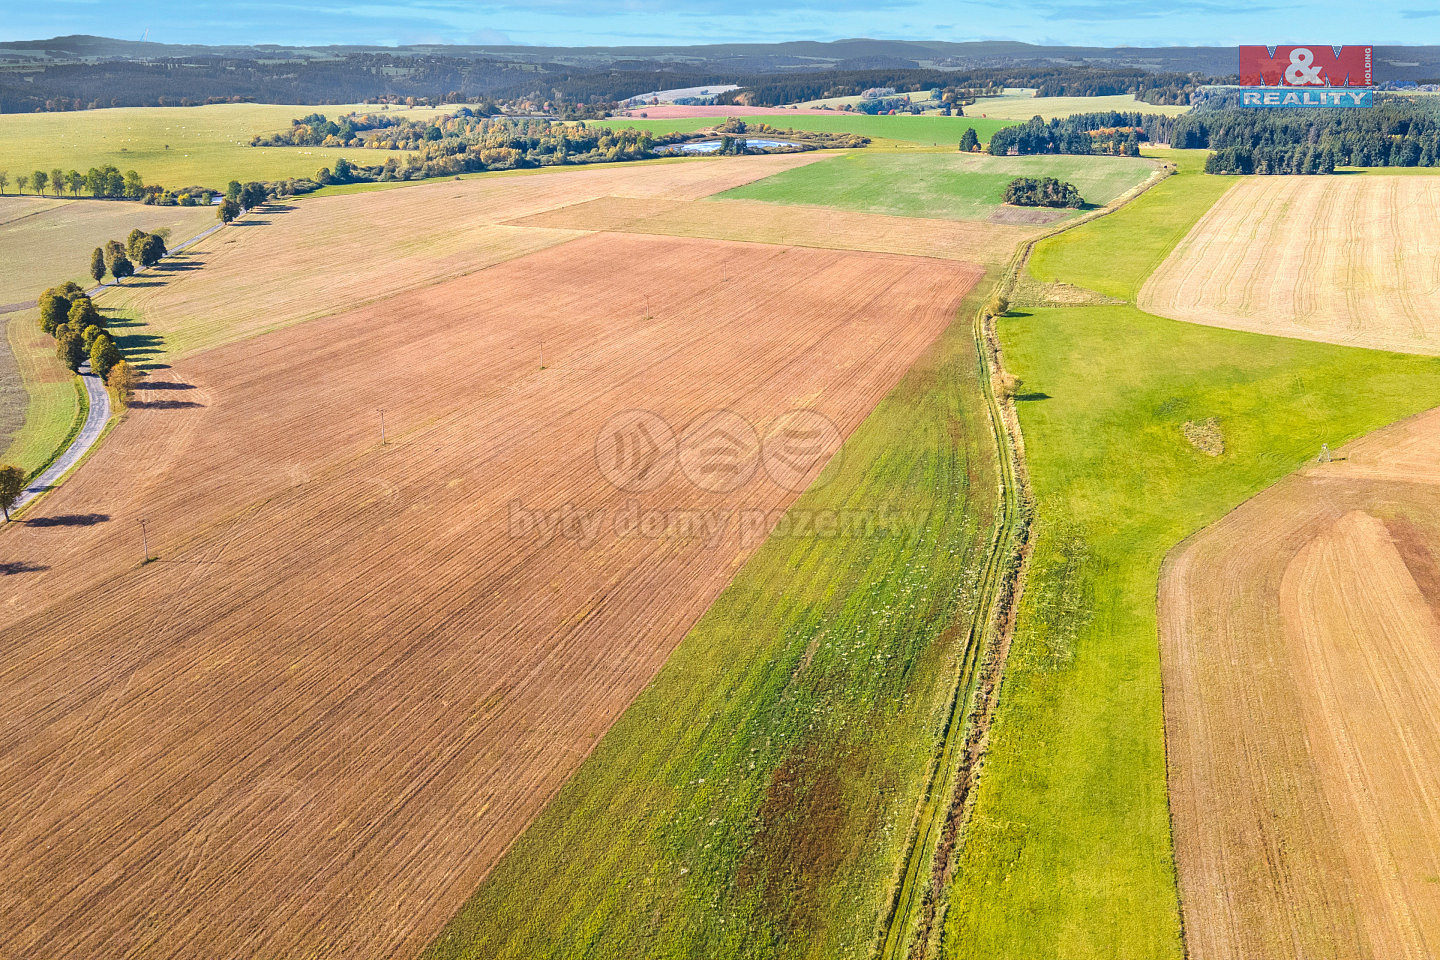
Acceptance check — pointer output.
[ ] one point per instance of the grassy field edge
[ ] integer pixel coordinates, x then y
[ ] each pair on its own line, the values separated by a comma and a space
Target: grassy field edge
1068, 853
605, 873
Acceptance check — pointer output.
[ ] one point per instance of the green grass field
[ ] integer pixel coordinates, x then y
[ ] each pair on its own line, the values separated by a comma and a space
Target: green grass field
951, 186
207, 146
910, 130
1069, 854
755, 800
1021, 104
48, 402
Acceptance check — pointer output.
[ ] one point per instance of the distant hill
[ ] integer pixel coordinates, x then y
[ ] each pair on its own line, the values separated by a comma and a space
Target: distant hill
74, 72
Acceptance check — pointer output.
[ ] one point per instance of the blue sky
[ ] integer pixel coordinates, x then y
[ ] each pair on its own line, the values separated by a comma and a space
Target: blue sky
609, 22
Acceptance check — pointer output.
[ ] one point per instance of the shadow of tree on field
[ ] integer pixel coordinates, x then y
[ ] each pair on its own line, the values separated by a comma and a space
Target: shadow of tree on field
1031, 397
12, 567
68, 520
164, 404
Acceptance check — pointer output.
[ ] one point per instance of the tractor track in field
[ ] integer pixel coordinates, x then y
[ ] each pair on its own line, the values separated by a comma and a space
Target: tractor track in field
910, 928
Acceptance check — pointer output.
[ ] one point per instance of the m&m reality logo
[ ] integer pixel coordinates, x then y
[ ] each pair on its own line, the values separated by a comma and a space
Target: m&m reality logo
1306, 76
1310, 66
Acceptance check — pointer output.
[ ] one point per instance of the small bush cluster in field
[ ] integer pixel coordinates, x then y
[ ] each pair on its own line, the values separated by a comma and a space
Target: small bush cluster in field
1043, 192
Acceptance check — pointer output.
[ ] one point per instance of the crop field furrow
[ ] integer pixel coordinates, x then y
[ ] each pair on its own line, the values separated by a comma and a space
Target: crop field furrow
1302, 679
1338, 259
306, 764
791, 225
318, 256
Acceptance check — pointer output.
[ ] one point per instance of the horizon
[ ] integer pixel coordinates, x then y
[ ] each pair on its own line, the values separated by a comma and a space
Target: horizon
568, 23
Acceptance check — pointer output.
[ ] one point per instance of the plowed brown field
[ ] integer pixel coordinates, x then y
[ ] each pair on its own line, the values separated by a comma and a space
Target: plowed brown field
1352, 260
357, 671
1301, 652
322, 255
799, 225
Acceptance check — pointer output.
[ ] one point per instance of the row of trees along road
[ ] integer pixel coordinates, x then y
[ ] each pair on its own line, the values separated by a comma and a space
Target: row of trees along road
104, 181
241, 197
69, 316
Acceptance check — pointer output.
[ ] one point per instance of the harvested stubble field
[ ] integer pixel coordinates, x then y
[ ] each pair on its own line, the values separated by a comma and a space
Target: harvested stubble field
795, 225
224, 751
322, 255
1342, 259
47, 241
1301, 649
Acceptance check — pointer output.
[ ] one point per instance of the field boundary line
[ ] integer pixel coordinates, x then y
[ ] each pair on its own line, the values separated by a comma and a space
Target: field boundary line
910, 930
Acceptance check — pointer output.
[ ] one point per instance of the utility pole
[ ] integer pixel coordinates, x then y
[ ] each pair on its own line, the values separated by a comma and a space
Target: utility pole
144, 541
382, 426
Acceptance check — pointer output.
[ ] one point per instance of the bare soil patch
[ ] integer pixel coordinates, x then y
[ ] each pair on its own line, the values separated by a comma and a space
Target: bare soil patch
1301, 654
357, 671
1031, 216
323, 255
788, 224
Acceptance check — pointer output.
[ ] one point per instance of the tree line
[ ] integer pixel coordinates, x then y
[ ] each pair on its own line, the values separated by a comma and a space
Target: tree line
1115, 133
70, 316
963, 86
106, 182
1314, 140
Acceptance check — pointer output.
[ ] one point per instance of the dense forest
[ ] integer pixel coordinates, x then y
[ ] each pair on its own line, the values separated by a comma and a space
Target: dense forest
1400, 134
1106, 132
563, 90
570, 92
961, 86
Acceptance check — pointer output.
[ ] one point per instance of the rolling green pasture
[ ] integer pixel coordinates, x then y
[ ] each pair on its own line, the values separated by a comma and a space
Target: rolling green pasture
756, 799
952, 186
1068, 854
175, 146
929, 131
1020, 103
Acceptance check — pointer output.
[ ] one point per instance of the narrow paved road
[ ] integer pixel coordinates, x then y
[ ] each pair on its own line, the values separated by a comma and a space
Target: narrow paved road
89, 432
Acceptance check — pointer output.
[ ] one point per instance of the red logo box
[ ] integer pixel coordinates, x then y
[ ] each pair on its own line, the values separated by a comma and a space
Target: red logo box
1306, 66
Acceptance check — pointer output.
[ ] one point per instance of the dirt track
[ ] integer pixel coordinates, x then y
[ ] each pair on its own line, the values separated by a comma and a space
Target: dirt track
351, 678
1301, 653
1348, 259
